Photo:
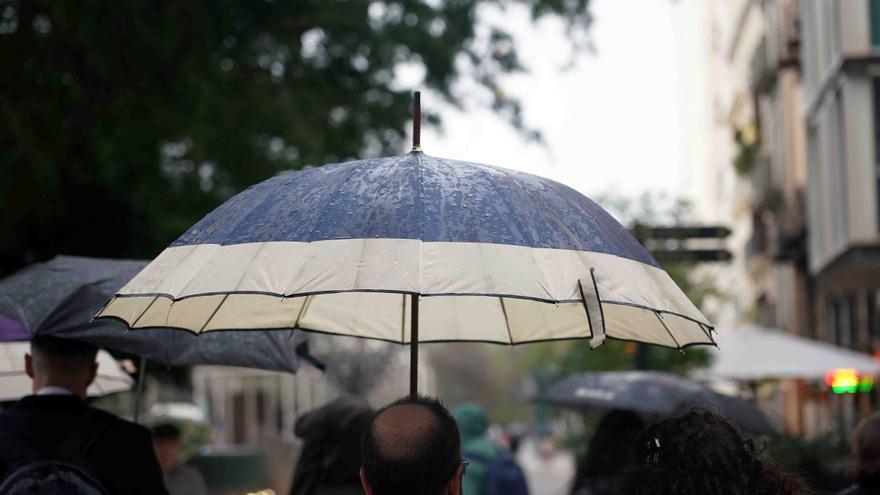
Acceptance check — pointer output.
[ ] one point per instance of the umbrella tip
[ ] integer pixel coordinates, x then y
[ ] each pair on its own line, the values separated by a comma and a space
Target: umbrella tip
417, 122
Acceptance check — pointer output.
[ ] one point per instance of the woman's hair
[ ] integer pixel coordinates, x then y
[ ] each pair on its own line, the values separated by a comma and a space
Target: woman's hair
866, 449
699, 453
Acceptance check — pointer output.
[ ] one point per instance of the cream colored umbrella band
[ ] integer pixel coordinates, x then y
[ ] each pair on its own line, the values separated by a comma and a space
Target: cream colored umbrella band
515, 294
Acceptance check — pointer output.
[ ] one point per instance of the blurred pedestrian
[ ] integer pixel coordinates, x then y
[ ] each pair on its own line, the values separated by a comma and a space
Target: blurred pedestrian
412, 447
54, 432
331, 458
492, 469
700, 453
180, 479
609, 454
866, 457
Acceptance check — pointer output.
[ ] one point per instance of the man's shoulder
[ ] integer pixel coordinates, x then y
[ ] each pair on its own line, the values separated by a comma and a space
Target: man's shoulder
118, 427
34, 410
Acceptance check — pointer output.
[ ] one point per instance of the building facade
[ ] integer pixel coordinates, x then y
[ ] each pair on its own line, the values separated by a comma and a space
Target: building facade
841, 65
789, 146
841, 55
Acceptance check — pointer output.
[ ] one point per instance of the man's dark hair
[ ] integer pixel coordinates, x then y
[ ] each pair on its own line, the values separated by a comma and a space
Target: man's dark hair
417, 456
165, 432
57, 348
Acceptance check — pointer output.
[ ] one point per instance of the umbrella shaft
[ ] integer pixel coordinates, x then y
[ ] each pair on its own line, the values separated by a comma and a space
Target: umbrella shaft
414, 346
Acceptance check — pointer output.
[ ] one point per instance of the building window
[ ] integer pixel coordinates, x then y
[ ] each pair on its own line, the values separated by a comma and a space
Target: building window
815, 208
831, 311
876, 82
874, 6
874, 319
845, 322
837, 162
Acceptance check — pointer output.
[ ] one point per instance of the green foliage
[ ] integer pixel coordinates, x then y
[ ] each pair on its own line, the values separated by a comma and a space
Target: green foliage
122, 123
747, 155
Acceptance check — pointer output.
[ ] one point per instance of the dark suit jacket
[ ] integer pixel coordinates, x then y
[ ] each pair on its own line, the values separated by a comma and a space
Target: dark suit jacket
122, 457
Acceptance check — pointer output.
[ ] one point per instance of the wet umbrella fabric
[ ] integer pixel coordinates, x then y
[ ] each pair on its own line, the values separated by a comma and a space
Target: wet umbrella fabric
493, 255
653, 393
60, 297
15, 384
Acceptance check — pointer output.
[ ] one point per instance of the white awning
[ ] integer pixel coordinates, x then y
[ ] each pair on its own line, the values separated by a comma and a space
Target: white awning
757, 353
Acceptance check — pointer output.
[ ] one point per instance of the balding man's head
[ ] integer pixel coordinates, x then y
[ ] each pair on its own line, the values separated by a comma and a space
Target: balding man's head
62, 363
412, 447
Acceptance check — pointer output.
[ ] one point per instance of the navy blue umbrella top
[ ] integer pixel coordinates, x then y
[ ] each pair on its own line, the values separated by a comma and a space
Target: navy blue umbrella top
416, 196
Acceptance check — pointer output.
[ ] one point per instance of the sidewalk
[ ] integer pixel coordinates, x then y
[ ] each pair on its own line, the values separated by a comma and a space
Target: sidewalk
548, 474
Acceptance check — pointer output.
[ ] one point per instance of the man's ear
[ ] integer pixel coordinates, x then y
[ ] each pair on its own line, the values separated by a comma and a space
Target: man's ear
454, 485
93, 372
29, 365
364, 482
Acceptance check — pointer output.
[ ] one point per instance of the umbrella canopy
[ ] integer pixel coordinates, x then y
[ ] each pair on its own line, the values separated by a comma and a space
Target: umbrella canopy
757, 353
15, 384
412, 249
496, 256
60, 298
651, 392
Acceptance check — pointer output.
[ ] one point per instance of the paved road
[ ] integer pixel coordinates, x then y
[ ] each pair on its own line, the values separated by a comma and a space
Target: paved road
549, 470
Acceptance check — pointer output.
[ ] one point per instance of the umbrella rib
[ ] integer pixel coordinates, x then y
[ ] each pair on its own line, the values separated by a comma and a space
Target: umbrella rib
506, 319
708, 335
144, 312
302, 311
205, 325
660, 317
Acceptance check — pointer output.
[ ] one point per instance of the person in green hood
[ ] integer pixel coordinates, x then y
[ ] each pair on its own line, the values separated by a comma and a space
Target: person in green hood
492, 469
473, 425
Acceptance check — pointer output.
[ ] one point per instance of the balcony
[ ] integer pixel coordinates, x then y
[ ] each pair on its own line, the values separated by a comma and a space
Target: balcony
779, 47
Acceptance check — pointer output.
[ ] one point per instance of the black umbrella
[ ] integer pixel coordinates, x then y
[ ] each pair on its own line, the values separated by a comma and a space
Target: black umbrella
61, 296
653, 393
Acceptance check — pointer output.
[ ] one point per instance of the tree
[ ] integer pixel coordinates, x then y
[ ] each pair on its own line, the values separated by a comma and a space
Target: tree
122, 123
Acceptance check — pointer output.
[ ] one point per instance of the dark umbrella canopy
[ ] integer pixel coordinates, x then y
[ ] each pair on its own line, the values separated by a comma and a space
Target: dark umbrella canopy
60, 298
652, 393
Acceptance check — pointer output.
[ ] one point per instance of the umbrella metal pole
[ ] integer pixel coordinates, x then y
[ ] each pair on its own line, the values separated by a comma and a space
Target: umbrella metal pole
139, 395
417, 121
414, 346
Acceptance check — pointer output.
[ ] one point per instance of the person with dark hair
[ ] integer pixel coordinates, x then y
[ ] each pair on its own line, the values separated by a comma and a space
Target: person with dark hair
55, 427
865, 444
609, 454
180, 479
700, 453
412, 447
331, 458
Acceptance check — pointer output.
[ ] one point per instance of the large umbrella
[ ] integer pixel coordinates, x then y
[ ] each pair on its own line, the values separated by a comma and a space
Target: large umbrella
752, 353
651, 392
412, 249
14, 382
60, 297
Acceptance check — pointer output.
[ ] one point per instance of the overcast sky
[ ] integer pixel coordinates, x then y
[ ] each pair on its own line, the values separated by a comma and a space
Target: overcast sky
611, 124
